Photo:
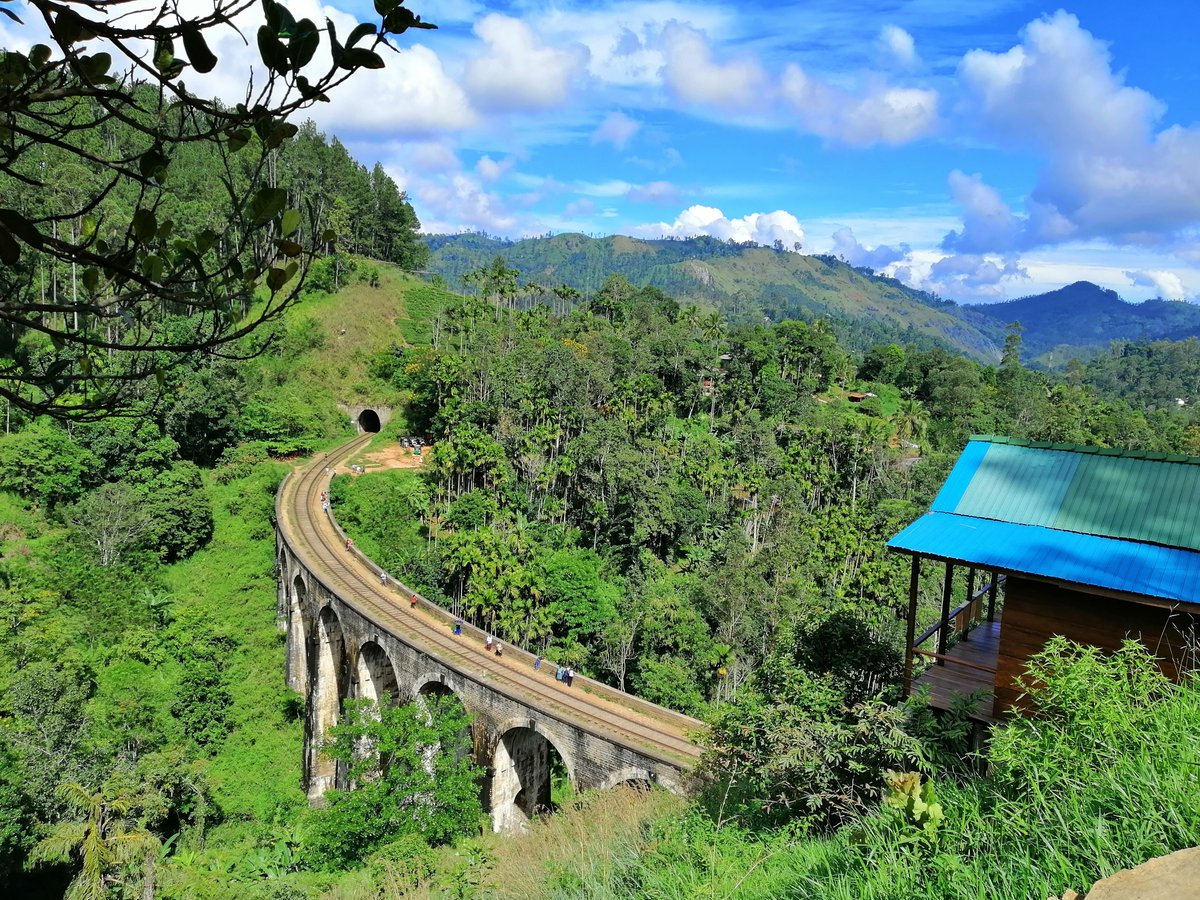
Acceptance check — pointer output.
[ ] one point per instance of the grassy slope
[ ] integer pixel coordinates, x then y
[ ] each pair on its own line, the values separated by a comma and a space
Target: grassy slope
358, 322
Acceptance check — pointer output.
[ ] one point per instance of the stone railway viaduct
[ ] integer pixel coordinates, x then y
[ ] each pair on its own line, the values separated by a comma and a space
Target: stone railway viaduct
350, 636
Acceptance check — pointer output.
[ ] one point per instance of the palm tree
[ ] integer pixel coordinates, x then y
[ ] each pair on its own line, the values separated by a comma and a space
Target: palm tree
102, 834
911, 421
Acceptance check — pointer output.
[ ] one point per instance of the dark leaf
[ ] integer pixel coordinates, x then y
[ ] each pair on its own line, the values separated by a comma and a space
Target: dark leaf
21, 227
201, 58
238, 139
272, 51
266, 204
277, 278
289, 248
361, 58
303, 44
359, 33
145, 225
153, 162
335, 48
39, 54
12, 15
280, 133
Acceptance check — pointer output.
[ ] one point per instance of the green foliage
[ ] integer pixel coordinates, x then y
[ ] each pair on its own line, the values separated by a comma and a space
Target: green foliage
916, 801
414, 777
797, 746
44, 464
180, 512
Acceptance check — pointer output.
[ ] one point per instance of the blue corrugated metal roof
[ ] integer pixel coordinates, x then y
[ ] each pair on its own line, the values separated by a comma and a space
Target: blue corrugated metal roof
1119, 565
1087, 490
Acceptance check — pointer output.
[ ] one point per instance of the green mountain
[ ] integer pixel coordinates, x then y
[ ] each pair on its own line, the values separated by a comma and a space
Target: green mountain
1091, 317
744, 281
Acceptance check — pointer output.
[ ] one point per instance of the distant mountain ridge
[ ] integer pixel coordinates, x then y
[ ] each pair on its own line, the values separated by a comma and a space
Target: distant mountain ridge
1086, 316
745, 281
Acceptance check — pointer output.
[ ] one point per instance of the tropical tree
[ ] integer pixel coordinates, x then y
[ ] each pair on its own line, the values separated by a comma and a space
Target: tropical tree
97, 130
101, 835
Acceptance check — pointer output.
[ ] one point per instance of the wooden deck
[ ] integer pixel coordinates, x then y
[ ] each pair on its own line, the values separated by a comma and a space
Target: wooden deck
980, 653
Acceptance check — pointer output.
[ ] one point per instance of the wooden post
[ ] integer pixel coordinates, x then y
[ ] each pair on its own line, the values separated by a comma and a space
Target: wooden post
944, 631
992, 596
966, 634
913, 580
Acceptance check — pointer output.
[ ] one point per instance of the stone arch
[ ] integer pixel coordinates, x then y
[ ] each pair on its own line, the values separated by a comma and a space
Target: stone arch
299, 624
374, 674
435, 683
368, 421
629, 775
325, 698
520, 774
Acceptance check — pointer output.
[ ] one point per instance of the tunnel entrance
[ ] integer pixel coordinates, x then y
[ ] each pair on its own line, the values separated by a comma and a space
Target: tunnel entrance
368, 421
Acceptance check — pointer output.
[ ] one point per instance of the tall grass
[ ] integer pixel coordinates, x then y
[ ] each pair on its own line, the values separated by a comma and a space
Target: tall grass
1104, 775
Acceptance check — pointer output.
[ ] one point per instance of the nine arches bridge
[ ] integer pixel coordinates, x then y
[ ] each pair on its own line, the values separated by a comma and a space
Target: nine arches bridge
350, 636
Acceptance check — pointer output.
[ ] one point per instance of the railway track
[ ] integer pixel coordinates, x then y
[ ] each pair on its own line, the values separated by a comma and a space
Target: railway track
592, 707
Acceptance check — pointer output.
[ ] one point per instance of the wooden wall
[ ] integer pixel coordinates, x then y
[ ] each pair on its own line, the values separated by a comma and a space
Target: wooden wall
1034, 611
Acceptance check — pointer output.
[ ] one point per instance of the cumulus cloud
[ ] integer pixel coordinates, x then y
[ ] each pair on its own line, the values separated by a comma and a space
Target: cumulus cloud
517, 72
846, 245
762, 228
1109, 173
491, 170
897, 47
459, 203
616, 129
882, 114
654, 192
974, 276
988, 223
694, 76
1168, 285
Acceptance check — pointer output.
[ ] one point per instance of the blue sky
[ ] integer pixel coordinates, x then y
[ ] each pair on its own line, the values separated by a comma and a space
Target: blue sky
983, 150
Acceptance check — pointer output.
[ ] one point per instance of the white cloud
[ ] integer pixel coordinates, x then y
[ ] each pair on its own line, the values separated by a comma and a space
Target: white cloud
1108, 172
692, 75
974, 276
491, 170
1168, 285
846, 245
897, 47
655, 192
616, 129
762, 228
1057, 89
988, 223
519, 72
882, 114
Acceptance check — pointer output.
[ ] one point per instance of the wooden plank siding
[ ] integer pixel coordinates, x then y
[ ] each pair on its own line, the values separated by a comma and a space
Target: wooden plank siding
1034, 611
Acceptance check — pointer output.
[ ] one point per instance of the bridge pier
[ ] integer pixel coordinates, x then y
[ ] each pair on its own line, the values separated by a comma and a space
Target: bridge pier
520, 780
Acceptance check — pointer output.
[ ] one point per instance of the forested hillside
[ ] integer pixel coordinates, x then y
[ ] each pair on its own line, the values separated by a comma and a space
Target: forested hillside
1081, 319
744, 282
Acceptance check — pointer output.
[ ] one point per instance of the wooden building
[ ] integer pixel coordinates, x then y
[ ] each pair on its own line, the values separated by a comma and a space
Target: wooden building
1094, 544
